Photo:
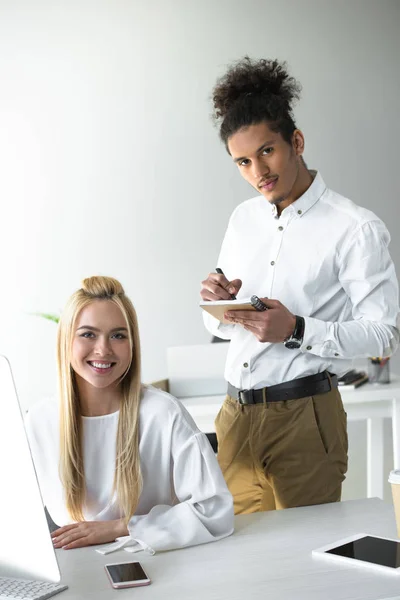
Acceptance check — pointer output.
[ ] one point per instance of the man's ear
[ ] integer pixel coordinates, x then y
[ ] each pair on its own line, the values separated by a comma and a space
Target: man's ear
298, 142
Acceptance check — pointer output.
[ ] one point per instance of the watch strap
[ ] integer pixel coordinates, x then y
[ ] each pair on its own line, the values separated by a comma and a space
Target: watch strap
298, 333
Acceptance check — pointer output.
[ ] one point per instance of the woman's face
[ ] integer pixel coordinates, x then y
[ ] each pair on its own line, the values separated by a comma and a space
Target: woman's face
101, 351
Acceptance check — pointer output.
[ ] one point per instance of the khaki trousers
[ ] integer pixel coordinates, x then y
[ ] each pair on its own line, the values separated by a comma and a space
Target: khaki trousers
283, 454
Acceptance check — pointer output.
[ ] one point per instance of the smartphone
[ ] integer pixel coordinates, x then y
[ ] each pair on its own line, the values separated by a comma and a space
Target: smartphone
124, 575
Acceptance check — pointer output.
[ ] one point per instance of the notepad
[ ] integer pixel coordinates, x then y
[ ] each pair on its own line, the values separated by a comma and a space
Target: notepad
217, 308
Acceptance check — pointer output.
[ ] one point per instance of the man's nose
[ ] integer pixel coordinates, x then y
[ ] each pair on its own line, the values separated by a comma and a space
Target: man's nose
259, 169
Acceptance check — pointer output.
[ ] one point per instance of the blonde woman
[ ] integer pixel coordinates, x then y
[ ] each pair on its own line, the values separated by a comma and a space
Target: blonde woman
116, 458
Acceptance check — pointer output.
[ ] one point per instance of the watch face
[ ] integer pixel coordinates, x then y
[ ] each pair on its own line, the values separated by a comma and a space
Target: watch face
292, 345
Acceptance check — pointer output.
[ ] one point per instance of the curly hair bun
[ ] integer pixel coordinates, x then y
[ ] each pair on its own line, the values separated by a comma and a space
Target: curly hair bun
99, 286
259, 78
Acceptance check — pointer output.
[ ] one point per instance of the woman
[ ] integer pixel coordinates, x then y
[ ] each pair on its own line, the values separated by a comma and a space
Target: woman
117, 458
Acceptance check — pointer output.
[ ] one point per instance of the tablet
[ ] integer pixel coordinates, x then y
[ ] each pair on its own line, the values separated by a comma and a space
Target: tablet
365, 550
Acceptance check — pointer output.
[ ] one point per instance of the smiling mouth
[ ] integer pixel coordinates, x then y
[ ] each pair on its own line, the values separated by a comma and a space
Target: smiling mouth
101, 367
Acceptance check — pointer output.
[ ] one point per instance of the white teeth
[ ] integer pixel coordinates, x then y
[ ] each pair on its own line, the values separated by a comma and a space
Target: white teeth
101, 365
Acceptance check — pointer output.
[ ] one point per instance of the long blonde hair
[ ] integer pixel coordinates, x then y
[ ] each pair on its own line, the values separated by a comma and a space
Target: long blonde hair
128, 479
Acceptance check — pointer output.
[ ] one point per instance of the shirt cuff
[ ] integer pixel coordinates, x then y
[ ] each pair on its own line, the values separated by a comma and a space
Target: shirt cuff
315, 334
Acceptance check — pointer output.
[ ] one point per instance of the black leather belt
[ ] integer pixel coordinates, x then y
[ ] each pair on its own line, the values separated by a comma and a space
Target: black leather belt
289, 390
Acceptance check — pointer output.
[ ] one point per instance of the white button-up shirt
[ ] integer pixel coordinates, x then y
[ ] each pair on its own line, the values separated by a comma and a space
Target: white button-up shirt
325, 259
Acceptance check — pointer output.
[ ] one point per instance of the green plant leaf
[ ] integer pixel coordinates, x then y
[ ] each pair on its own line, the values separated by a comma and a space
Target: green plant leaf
48, 316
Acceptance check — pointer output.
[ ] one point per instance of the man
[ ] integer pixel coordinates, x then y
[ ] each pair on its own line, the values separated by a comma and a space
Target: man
322, 267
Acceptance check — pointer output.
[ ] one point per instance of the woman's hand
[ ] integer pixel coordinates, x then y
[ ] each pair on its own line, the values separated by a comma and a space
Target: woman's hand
88, 533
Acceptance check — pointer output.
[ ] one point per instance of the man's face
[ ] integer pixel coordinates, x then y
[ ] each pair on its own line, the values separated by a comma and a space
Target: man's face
267, 161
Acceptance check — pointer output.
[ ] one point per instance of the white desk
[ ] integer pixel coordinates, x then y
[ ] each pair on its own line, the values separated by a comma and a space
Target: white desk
268, 557
372, 402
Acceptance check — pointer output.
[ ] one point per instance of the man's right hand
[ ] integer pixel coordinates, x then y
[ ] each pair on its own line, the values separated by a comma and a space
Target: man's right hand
217, 287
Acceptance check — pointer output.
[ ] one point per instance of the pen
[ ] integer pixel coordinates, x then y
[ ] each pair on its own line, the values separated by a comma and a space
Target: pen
220, 271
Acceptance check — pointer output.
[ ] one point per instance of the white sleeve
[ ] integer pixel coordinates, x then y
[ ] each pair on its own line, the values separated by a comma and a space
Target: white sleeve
215, 327
368, 277
204, 509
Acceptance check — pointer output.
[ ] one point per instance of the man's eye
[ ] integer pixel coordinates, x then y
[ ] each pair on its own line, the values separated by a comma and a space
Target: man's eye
244, 162
267, 150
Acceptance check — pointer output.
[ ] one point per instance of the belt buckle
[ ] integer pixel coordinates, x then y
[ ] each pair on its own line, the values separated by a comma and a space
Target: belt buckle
247, 399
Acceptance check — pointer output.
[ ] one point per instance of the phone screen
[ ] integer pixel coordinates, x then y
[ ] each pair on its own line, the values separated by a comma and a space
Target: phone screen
371, 549
126, 572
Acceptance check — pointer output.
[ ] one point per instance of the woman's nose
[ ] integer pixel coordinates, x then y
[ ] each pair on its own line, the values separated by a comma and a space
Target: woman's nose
103, 347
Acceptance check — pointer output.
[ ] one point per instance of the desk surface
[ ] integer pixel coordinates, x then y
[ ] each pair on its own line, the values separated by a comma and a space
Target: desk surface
268, 557
371, 392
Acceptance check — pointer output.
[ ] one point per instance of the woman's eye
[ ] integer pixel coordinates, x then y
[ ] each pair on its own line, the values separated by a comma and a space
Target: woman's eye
244, 162
87, 334
119, 336
267, 150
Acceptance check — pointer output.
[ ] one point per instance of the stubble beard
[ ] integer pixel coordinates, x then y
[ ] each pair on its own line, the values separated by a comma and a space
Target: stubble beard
277, 201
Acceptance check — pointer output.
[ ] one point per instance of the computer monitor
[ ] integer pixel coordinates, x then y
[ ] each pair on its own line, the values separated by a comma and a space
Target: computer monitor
26, 548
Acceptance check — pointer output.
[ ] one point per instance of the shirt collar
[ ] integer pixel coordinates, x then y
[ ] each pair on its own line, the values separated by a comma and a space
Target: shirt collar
307, 200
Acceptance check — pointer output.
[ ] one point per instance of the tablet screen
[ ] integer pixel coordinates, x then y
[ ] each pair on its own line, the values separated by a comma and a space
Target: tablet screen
371, 549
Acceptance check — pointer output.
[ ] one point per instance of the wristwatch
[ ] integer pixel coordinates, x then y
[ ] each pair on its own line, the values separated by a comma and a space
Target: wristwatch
295, 340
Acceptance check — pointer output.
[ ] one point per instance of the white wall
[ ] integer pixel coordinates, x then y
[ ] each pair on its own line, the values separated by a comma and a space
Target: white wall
110, 163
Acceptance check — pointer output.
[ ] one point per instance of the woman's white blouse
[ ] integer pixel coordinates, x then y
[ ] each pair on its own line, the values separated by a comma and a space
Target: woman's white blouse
184, 500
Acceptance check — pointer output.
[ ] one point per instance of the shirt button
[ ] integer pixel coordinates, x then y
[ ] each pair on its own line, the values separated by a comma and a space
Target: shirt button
280, 228
245, 365
272, 262
309, 347
299, 212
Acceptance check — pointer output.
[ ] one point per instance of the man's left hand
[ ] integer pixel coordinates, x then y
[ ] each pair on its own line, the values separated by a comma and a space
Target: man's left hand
272, 325
87, 533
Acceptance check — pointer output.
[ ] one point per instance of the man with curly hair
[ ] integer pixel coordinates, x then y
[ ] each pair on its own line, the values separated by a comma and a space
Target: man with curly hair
321, 265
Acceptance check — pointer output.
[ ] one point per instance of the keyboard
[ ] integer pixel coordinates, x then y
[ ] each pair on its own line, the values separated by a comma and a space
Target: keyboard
24, 589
